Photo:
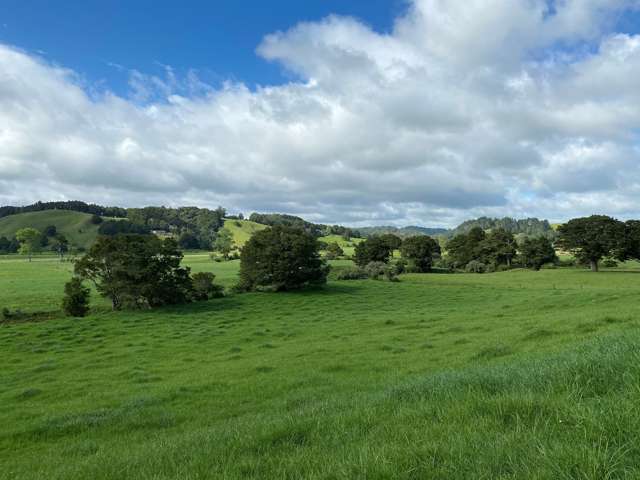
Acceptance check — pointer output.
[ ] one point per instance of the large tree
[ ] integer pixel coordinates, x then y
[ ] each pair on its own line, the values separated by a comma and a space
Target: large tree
136, 271
592, 238
30, 241
535, 252
373, 249
281, 258
224, 242
498, 248
393, 241
420, 251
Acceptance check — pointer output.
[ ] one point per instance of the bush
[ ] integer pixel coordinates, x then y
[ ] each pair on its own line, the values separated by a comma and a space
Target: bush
443, 263
375, 270
204, 288
96, 219
391, 273
75, 302
475, 266
610, 263
401, 266
352, 273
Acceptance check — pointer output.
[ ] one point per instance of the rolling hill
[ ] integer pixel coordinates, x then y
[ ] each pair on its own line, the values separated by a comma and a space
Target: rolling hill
76, 226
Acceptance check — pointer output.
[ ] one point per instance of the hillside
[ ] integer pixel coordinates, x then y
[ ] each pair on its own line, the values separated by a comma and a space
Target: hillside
242, 230
76, 226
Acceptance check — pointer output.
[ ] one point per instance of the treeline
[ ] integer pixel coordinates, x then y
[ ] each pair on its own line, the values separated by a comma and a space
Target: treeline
402, 232
73, 205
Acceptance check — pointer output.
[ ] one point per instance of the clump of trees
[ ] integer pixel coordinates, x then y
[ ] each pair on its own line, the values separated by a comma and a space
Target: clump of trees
141, 271
8, 246
281, 258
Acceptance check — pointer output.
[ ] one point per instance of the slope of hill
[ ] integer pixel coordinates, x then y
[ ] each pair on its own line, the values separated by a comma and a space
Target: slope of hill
242, 230
76, 226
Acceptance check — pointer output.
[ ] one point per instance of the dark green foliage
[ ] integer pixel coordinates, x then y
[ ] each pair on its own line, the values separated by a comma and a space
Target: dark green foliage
204, 288
60, 245
188, 241
73, 205
352, 273
592, 238
75, 302
282, 220
373, 249
96, 219
224, 243
281, 258
403, 232
535, 252
463, 248
119, 227
137, 271
8, 246
498, 248
393, 241
50, 231
420, 251
629, 245
334, 250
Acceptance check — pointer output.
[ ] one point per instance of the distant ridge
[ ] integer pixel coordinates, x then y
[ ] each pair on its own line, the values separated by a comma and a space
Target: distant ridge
409, 231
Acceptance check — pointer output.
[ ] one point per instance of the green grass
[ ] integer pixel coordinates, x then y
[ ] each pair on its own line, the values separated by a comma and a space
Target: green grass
510, 375
242, 230
76, 226
348, 246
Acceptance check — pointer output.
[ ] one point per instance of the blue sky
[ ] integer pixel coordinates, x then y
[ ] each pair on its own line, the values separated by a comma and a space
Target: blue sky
399, 112
216, 37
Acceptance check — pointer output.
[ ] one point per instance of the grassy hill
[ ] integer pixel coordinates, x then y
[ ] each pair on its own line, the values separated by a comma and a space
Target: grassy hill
527, 375
76, 226
242, 230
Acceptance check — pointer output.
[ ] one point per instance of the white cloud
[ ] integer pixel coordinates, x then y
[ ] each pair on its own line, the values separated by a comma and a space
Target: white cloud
481, 107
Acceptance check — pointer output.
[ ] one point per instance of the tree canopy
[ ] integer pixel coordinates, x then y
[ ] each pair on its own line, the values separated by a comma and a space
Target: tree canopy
281, 258
373, 249
420, 251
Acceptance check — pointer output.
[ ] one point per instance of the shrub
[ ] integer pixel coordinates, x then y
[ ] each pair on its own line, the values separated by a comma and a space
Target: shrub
96, 219
475, 266
443, 263
75, 302
401, 266
391, 273
352, 273
375, 270
204, 288
610, 263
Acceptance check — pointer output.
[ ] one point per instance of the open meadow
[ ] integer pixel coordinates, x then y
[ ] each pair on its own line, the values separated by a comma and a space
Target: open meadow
519, 374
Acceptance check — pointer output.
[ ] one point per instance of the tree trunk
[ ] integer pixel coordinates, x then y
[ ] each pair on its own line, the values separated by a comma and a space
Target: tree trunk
594, 265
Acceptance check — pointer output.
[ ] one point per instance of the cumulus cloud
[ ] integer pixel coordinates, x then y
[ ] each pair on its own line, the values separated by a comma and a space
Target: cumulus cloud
493, 107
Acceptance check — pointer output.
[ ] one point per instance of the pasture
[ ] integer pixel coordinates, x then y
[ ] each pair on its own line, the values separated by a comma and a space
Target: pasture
509, 375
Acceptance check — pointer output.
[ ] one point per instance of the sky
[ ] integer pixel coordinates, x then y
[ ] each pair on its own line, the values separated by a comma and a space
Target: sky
363, 112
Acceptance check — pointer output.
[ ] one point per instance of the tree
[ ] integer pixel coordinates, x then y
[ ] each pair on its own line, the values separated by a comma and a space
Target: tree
60, 245
224, 242
498, 248
629, 245
463, 248
76, 298
334, 250
373, 249
96, 219
137, 271
50, 231
30, 241
281, 258
420, 251
592, 238
393, 241
535, 252
188, 241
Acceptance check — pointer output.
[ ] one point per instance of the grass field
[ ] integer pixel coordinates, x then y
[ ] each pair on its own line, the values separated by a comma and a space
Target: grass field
509, 375
242, 230
348, 246
76, 226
